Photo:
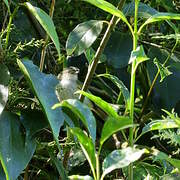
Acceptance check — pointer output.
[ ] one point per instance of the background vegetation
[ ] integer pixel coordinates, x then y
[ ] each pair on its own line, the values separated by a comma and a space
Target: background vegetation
134, 62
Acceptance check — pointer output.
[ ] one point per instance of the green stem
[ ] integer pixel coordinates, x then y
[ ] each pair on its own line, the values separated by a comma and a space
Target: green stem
43, 52
9, 26
132, 92
100, 51
154, 81
97, 166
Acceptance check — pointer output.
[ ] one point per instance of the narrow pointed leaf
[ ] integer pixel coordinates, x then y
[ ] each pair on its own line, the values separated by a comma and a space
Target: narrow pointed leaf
4, 81
78, 177
164, 72
108, 7
121, 158
101, 103
87, 146
83, 36
160, 17
159, 125
113, 125
7, 4
44, 88
46, 22
120, 85
84, 113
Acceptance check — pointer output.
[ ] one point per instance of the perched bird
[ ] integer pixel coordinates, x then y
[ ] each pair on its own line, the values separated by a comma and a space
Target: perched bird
69, 84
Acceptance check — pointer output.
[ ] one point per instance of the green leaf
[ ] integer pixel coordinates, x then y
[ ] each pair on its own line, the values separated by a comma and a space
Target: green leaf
44, 88
4, 81
108, 7
7, 4
160, 17
46, 22
59, 166
87, 146
83, 36
84, 113
78, 177
144, 11
162, 156
159, 125
139, 56
113, 125
120, 85
164, 72
15, 150
118, 49
106, 107
121, 158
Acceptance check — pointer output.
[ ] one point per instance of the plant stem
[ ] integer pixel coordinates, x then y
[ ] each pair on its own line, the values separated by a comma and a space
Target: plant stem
43, 52
9, 26
100, 51
133, 78
154, 81
97, 166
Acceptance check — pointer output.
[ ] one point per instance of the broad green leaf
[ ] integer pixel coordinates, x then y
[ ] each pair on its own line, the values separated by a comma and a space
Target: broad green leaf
144, 11
121, 158
162, 156
83, 36
87, 146
108, 7
120, 85
106, 107
118, 49
62, 172
4, 81
16, 150
84, 113
159, 125
78, 177
44, 88
7, 4
46, 22
160, 17
113, 125
164, 72
139, 56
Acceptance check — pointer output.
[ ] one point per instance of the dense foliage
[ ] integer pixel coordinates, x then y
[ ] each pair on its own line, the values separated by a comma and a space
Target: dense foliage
128, 54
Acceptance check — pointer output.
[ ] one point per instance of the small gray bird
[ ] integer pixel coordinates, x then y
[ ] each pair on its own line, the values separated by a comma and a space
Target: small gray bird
68, 84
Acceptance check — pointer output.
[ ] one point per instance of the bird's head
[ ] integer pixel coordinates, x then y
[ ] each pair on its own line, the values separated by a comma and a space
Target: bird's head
70, 73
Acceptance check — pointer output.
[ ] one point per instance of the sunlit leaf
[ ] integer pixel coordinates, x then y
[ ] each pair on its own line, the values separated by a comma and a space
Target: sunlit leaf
113, 125
83, 36
160, 17
44, 88
101, 103
108, 7
78, 177
121, 158
84, 113
46, 22
16, 150
120, 85
4, 81
87, 146
159, 125
164, 72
